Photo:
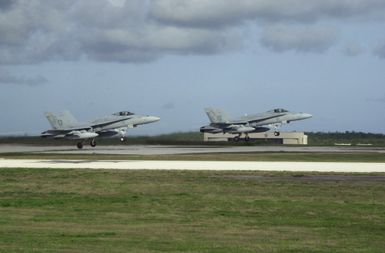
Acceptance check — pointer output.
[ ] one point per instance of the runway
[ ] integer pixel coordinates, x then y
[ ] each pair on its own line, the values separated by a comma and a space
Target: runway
187, 165
194, 165
178, 149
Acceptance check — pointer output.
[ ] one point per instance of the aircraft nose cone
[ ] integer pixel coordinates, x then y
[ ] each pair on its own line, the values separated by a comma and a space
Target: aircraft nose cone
307, 115
153, 118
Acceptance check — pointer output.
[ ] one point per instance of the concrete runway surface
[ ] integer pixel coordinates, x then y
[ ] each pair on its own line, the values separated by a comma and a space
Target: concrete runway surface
187, 165
174, 149
194, 165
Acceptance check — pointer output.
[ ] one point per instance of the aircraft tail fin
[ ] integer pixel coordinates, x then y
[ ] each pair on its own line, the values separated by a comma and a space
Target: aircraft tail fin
61, 120
217, 115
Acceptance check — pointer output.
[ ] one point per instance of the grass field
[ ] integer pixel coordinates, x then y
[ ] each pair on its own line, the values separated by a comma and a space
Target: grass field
45, 210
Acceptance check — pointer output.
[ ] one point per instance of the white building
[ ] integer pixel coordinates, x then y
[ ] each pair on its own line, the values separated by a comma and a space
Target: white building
287, 138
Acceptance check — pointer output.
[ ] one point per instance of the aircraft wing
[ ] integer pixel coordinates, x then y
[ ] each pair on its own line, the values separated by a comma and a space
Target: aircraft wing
72, 135
255, 119
86, 127
54, 134
108, 122
245, 120
79, 132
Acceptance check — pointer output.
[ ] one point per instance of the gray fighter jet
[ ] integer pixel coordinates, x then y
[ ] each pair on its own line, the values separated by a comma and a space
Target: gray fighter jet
262, 122
65, 126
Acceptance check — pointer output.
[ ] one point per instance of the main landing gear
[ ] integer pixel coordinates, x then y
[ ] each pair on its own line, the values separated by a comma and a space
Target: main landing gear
276, 133
80, 144
238, 137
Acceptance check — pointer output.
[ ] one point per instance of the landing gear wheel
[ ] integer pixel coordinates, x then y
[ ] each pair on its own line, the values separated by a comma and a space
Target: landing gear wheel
247, 138
236, 138
277, 133
93, 143
79, 145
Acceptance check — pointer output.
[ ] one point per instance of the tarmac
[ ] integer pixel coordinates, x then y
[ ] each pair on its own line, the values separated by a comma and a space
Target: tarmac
186, 165
194, 165
174, 149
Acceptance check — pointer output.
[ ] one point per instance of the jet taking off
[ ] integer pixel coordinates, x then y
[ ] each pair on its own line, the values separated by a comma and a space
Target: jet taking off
262, 122
65, 126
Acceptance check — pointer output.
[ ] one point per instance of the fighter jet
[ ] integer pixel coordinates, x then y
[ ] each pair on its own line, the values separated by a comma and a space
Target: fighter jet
262, 122
65, 126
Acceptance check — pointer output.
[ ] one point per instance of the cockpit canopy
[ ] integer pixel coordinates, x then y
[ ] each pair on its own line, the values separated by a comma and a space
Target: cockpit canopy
123, 113
280, 110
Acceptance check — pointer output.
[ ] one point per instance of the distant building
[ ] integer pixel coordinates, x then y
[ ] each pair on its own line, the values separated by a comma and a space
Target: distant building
287, 138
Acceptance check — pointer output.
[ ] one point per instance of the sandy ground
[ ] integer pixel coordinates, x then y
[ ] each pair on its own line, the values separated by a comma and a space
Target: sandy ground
195, 165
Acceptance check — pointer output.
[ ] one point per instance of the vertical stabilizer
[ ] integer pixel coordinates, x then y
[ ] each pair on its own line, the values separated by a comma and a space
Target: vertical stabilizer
61, 120
217, 115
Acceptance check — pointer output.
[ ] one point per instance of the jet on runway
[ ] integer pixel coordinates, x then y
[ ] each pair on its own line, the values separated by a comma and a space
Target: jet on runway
65, 126
262, 122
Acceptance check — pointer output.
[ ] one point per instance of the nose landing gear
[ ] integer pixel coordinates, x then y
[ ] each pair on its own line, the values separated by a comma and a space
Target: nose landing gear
79, 145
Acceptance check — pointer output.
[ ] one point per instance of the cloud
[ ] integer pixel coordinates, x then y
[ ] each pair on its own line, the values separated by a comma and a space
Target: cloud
353, 49
6, 4
168, 106
153, 42
144, 30
9, 78
379, 50
118, 31
306, 39
376, 100
230, 12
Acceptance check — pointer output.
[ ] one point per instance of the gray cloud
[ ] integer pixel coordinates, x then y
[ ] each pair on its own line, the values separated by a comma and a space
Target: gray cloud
9, 78
379, 50
102, 30
6, 4
154, 41
298, 38
168, 106
377, 100
144, 30
230, 12
353, 49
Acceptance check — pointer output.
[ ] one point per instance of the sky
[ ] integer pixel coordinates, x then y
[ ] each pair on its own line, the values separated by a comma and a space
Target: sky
173, 58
